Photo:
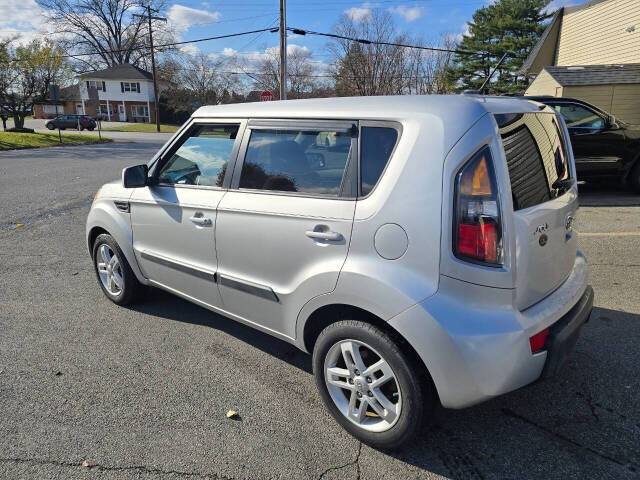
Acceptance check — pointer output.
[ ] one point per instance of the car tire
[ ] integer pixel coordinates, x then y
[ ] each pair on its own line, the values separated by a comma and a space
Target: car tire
407, 383
117, 280
50, 126
91, 129
80, 129
634, 177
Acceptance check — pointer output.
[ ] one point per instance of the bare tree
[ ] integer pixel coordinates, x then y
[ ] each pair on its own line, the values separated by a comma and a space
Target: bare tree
207, 78
302, 76
106, 29
374, 69
368, 69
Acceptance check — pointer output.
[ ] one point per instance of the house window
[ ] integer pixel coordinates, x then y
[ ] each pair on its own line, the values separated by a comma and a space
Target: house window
97, 84
139, 111
130, 87
103, 109
51, 109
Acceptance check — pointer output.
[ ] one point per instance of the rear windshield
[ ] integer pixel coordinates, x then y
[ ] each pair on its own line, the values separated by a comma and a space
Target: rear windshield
536, 156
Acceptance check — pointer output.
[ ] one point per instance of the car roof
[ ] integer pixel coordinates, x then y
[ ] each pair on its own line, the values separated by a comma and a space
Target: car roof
398, 107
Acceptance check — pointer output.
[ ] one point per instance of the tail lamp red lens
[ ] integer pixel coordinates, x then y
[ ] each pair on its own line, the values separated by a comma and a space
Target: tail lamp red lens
477, 228
538, 340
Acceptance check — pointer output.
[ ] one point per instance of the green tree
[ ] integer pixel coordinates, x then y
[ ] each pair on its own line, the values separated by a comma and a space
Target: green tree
512, 26
26, 72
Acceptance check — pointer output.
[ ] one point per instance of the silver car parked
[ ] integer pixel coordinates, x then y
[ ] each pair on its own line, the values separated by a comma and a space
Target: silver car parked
422, 248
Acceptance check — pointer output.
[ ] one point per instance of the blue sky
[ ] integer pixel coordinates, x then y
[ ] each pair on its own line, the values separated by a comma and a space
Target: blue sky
193, 19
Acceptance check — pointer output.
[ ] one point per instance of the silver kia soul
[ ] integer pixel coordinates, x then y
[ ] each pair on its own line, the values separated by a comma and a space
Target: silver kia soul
421, 247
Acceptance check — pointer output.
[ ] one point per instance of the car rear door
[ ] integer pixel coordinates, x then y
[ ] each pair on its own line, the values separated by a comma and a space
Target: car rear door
173, 221
284, 227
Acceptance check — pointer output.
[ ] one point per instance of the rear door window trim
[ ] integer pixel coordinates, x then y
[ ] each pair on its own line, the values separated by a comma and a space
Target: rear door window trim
347, 192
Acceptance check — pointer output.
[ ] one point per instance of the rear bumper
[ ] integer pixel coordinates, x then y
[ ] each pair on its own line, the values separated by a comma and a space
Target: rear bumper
563, 334
475, 343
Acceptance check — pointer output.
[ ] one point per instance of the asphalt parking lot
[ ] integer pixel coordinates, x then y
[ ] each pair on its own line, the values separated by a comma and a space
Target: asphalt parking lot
142, 392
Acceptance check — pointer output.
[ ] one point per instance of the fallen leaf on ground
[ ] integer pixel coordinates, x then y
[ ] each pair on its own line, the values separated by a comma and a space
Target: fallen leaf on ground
85, 464
58, 374
232, 414
19, 224
74, 273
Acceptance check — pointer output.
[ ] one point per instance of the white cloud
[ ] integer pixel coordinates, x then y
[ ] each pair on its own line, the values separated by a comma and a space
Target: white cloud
189, 49
22, 18
182, 18
409, 13
229, 52
360, 14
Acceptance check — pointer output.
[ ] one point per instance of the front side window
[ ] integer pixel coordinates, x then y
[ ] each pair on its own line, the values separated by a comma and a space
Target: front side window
202, 158
579, 117
309, 161
376, 146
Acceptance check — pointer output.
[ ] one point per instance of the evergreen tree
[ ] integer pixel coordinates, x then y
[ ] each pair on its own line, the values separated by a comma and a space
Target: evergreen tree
512, 26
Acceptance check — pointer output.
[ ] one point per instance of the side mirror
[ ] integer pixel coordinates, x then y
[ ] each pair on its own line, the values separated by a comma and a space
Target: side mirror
133, 177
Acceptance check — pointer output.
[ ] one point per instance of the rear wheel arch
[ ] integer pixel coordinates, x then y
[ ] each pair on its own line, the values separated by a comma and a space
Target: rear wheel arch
326, 315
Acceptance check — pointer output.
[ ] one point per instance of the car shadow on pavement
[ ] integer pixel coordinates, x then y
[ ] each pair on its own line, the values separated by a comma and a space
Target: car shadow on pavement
166, 305
607, 194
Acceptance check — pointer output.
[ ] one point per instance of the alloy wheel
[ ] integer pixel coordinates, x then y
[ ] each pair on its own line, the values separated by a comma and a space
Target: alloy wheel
109, 270
362, 385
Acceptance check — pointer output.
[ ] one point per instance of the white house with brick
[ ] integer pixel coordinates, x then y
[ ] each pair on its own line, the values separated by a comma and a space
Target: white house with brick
125, 93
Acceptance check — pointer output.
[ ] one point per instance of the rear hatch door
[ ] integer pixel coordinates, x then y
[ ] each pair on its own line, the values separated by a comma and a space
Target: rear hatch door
544, 202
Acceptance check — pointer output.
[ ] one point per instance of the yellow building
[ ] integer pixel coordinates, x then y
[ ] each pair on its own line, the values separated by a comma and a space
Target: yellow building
591, 52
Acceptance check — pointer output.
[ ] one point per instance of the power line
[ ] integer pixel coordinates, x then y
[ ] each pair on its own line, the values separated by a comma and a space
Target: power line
164, 45
364, 41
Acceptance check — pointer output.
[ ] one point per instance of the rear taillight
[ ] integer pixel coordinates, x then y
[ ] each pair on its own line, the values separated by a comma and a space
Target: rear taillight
477, 230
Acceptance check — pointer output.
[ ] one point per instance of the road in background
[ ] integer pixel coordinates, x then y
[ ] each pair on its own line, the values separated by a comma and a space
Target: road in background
142, 392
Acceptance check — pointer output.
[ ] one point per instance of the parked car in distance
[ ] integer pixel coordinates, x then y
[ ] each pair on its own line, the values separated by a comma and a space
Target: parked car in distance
79, 122
424, 253
603, 146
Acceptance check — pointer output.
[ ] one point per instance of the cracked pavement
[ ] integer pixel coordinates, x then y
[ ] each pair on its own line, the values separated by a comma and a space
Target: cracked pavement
142, 392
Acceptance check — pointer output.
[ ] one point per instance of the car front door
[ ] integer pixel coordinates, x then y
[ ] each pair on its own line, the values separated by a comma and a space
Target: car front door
284, 227
597, 147
173, 221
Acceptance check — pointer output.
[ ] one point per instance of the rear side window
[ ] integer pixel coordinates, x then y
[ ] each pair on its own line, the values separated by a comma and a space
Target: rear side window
202, 158
376, 146
536, 156
307, 161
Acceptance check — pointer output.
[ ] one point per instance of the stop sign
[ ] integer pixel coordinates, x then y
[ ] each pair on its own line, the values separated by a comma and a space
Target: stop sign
266, 96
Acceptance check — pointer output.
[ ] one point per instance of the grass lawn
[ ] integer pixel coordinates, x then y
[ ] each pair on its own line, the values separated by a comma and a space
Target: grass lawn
143, 127
11, 140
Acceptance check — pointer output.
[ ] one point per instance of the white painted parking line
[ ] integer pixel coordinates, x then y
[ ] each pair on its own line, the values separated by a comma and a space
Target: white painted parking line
609, 234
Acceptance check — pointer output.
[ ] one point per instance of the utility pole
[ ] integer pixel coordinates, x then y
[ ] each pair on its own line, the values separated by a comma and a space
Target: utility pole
283, 50
149, 17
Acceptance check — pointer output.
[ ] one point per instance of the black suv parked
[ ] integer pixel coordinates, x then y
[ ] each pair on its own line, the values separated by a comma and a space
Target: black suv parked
71, 121
603, 146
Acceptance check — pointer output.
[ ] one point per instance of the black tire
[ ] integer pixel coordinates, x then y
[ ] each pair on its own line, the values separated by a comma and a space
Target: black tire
91, 129
81, 128
634, 177
132, 289
418, 396
50, 126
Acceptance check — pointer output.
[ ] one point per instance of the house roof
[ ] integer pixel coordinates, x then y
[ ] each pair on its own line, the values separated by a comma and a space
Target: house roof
547, 44
544, 52
124, 71
595, 74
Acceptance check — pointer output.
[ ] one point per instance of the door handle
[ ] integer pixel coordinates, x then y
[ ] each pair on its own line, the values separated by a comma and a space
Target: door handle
200, 220
329, 235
